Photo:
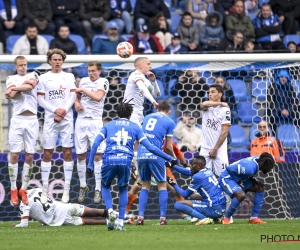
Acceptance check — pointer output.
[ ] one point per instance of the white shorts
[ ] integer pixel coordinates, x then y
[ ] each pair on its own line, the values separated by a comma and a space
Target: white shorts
51, 130
23, 129
137, 117
218, 164
86, 130
74, 214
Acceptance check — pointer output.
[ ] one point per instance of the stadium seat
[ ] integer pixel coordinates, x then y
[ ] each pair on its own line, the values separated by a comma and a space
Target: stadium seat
168, 3
79, 43
126, 36
10, 42
259, 89
239, 89
252, 15
98, 36
291, 38
238, 136
248, 112
289, 135
261, 2
133, 2
239, 150
175, 18
49, 38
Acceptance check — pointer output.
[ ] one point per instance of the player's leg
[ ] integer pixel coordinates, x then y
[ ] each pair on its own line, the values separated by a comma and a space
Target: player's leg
13, 174
132, 195
93, 221
258, 200
94, 212
81, 169
67, 137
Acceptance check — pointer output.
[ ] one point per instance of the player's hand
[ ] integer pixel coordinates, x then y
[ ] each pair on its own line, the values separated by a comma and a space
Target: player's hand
151, 76
78, 107
173, 162
60, 112
169, 165
32, 82
58, 119
155, 104
257, 183
79, 90
7, 93
213, 153
89, 172
171, 181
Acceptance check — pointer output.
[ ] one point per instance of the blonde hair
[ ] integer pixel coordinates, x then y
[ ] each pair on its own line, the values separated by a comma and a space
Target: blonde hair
19, 58
57, 51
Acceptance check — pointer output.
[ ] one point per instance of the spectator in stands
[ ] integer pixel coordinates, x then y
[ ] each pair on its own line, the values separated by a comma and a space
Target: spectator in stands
159, 27
39, 12
181, 123
31, 43
192, 89
251, 6
198, 10
265, 142
62, 41
288, 12
252, 47
108, 45
120, 13
10, 18
188, 32
223, 7
145, 9
232, 42
237, 20
144, 43
282, 102
65, 12
176, 47
212, 32
267, 29
292, 47
190, 137
94, 15
228, 97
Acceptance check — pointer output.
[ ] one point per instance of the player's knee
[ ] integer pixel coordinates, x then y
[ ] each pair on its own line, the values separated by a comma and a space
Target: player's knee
29, 158
68, 155
47, 156
240, 196
14, 158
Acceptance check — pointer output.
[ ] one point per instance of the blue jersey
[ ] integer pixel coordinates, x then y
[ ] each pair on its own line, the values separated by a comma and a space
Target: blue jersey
243, 169
206, 184
156, 127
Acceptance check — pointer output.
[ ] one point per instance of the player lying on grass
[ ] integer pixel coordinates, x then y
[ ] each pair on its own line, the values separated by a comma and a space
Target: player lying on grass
204, 182
55, 213
237, 179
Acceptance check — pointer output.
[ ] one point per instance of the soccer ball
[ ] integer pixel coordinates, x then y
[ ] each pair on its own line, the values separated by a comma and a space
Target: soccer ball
124, 49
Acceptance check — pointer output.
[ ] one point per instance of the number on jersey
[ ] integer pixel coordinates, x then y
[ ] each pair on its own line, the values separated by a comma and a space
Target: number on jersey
213, 180
121, 137
151, 124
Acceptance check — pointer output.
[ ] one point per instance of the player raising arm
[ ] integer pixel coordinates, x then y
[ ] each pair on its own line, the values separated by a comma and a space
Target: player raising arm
204, 182
238, 179
120, 135
24, 127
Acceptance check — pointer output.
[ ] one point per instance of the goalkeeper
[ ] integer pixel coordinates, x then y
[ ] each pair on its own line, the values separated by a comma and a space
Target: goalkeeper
238, 177
213, 203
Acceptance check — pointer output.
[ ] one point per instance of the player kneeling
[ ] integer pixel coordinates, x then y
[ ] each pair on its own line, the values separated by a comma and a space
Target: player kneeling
239, 177
55, 213
213, 203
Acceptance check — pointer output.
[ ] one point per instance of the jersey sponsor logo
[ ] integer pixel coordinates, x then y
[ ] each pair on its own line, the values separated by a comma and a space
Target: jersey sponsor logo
219, 212
227, 112
149, 135
212, 124
147, 157
117, 157
57, 94
120, 148
227, 118
122, 123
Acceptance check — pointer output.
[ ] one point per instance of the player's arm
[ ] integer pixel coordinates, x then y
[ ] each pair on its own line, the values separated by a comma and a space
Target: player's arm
43, 103
183, 171
207, 104
169, 147
179, 155
100, 137
10, 93
144, 91
184, 193
155, 150
223, 136
72, 99
27, 85
155, 91
95, 96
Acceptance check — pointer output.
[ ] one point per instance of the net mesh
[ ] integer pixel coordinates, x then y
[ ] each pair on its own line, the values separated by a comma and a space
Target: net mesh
185, 86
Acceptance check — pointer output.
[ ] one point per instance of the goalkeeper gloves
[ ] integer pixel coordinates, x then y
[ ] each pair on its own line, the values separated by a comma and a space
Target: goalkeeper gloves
89, 172
171, 164
171, 181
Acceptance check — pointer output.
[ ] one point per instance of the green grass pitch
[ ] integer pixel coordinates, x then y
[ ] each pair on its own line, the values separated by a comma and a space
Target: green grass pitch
176, 235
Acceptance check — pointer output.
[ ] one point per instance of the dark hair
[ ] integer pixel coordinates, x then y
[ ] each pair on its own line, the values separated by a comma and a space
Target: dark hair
266, 4
266, 162
200, 158
217, 87
63, 25
291, 42
31, 25
124, 109
164, 106
187, 14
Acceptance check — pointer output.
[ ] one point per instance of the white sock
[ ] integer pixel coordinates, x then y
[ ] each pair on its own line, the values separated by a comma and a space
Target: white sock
68, 171
228, 202
121, 222
97, 172
45, 169
251, 218
26, 174
109, 210
13, 175
81, 169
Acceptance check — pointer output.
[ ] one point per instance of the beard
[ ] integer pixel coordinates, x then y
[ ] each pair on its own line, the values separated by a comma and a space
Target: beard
113, 38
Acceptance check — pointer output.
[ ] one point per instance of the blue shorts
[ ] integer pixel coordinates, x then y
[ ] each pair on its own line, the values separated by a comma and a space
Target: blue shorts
210, 212
110, 171
156, 167
229, 186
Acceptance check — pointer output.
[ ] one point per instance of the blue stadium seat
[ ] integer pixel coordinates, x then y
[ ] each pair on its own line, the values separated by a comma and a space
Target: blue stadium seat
239, 150
175, 18
252, 15
49, 38
126, 37
289, 135
238, 136
261, 2
259, 89
248, 112
98, 36
168, 3
239, 89
291, 38
10, 42
133, 2
79, 43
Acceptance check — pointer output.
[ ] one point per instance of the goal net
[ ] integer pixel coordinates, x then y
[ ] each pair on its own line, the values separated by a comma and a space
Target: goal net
184, 84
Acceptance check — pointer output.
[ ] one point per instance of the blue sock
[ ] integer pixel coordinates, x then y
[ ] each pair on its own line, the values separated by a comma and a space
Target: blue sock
106, 195
143, 199
257, 203
123, 200
186, 209
163, 202
233, 206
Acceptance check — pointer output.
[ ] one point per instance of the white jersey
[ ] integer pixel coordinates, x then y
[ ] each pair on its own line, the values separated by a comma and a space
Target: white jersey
26, 100
212, 121
52, 213
57, 88
133, 91
91, 108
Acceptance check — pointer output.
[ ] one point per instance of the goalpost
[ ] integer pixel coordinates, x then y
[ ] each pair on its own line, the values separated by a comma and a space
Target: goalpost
249, 75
